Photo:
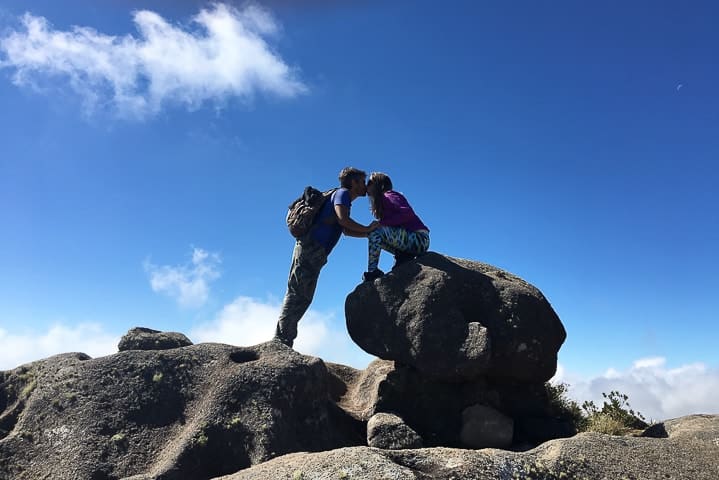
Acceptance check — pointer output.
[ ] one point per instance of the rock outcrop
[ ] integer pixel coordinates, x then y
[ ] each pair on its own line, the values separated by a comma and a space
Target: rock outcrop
212, 410
194, 412
465, 352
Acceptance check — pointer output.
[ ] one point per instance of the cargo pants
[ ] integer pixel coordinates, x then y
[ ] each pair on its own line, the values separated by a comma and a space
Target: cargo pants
308, 258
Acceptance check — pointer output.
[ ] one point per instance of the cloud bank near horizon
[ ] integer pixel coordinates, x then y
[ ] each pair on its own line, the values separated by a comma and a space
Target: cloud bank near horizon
245, 321
18, 348
223, 54
655, 390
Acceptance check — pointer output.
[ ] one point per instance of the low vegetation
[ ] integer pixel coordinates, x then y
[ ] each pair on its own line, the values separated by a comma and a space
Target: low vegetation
614, 417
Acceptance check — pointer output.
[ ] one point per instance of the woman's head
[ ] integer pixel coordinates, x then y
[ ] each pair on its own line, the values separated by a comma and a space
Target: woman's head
379, 181
377, 184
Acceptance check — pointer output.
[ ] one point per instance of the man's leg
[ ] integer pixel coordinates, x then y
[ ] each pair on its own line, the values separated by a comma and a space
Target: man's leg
308, 258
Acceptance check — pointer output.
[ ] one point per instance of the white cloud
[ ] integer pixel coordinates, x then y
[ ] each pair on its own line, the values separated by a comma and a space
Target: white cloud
656, 391
247, 321
90, 338
226, 55
651, 362
189, 284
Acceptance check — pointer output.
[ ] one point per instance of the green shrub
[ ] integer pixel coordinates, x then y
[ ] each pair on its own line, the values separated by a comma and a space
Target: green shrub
201, 439
616, 416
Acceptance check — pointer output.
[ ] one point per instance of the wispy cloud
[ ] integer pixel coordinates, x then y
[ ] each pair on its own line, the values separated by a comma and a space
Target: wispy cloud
188, 284
655, 390
224, 53
19, 348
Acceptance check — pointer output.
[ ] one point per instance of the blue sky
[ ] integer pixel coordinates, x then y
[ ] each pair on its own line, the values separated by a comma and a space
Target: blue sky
150, 149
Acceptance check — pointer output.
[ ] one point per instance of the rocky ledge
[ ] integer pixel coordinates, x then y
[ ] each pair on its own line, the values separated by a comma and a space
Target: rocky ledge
458, 392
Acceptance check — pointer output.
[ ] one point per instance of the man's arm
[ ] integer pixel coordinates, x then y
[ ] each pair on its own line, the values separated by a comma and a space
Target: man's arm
352, 233
349, 226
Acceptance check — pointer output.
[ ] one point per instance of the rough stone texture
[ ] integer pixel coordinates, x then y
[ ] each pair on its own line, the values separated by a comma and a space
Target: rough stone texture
434, 409
457, 320
209, 410
484, 427
388, 431
140, 338
194, 412
690, 455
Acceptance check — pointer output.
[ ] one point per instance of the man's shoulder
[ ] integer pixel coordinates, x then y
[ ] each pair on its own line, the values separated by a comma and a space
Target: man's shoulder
342, 197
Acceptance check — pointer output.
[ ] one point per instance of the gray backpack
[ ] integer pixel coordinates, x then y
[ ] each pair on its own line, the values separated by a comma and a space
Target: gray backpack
302, 212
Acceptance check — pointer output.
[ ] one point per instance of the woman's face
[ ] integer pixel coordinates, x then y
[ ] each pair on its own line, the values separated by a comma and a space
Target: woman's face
371, 187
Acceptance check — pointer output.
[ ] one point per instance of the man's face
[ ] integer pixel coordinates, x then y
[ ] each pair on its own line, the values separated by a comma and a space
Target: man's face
359, 187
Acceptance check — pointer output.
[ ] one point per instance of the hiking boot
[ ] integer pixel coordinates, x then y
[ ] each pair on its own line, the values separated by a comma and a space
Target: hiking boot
402, 258
370, 276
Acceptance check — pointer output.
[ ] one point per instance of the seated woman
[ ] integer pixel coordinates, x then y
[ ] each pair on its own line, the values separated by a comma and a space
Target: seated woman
401, 233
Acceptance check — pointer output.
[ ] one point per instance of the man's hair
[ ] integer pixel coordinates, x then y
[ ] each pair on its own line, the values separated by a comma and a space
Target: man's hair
348, 174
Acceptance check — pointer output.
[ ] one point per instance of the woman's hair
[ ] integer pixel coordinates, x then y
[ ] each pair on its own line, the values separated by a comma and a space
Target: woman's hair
382, 183
350, 173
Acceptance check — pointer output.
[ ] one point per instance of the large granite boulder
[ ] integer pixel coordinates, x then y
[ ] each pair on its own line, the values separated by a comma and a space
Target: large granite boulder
455, 320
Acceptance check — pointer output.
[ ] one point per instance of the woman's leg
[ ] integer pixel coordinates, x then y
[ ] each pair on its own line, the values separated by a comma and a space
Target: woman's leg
395, 240
418, 242
375, 248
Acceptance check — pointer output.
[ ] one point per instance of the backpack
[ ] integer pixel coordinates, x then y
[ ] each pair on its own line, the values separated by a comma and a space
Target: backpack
302, 212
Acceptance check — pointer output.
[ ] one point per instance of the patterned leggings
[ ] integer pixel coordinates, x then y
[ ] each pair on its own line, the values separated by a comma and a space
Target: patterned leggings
395, 240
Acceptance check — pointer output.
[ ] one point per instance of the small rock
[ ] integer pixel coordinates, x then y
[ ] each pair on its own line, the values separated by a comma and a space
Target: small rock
140, 338
388, 431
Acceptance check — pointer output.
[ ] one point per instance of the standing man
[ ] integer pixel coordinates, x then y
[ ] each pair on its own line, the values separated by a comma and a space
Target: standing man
311, 251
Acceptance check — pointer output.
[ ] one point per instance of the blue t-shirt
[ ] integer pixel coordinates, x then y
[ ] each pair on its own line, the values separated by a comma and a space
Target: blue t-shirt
326, 230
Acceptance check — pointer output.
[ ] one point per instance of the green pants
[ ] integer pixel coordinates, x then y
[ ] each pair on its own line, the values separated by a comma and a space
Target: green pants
308, 258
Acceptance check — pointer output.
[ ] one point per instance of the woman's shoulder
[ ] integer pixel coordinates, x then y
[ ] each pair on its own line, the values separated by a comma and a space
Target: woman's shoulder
393, 195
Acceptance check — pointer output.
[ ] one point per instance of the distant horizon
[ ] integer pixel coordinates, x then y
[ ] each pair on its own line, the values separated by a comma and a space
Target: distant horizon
150, 152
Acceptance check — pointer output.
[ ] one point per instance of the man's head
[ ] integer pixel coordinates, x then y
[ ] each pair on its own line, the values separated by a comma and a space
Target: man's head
353, 179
